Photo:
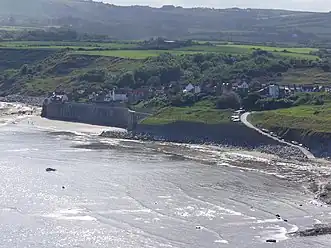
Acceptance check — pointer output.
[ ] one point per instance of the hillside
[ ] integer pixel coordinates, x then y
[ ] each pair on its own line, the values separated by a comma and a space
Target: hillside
137, 22
33, 68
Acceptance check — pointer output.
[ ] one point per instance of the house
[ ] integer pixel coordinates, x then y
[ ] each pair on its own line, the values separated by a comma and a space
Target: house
274, 90
243, 87
108, 97
264, 91
59, 97
138, 94
119, 95
196, 89
308, 88
92, 97
188, 88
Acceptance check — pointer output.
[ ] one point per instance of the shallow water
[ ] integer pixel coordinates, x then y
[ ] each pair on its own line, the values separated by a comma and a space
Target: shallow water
144, 194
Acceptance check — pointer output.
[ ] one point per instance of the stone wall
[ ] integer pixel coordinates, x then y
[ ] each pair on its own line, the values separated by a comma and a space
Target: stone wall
97, 114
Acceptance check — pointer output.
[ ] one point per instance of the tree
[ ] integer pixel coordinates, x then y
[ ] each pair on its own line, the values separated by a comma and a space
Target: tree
249, 102
126, 80
228, 101
154, 81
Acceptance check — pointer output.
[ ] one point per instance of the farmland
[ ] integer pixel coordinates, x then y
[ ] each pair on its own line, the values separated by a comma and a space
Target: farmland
132, 49
305, 76
65, 45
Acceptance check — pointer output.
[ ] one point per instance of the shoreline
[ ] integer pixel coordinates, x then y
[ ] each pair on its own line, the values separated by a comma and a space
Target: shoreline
28, 100
282, 151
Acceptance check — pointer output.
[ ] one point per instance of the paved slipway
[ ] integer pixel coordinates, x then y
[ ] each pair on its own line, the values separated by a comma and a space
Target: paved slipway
120, 193
244, 120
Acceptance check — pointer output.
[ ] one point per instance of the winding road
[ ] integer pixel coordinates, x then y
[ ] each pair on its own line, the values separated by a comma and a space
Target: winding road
244, 120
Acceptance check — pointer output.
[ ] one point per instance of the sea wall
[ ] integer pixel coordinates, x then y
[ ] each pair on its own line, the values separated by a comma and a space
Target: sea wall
97, 114
233, 134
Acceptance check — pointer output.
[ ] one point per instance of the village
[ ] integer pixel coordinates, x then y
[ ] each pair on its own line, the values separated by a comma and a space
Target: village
132, 96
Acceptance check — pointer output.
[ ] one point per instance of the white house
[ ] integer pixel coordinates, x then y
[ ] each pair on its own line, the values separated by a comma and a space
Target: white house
197, 89
118, 96
190, 88
59, 98
274, 91
93, 96
244, 86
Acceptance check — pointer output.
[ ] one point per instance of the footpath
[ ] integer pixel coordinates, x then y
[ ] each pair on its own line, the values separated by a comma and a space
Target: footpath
244, 120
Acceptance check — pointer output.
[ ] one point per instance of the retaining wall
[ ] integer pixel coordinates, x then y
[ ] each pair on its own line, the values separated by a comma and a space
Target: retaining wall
97, 114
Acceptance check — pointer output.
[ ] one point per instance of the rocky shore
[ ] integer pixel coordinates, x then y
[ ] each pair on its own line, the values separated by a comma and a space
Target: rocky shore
283, 151
29, 100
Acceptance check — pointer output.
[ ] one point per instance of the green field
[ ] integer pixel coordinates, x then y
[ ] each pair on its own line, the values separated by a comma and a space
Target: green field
114, 49
64, 45
15, 28
305, 76
304, 50
133, 54
191, 114
244, 49
307, 118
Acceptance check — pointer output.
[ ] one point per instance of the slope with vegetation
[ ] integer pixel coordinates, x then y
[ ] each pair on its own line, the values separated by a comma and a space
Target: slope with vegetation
307, 123
311, 115
38, 71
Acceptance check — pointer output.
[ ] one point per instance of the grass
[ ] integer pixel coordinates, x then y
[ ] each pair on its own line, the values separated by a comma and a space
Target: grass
64, 45
190, 114
133, 54
301, 50
244, 49
306, 76
302, 53
308, 118
16, 28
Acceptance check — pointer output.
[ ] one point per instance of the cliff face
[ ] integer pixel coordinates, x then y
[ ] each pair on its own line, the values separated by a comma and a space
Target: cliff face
318, 143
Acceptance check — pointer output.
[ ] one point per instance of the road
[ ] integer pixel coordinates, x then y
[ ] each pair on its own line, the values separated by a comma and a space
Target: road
244, 120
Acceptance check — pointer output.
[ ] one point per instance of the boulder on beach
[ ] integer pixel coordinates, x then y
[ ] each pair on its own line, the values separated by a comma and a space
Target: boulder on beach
50, 169
318, 229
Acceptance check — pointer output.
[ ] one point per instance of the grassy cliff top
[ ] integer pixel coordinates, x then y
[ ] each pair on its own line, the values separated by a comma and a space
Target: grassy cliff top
307, 118
191, 114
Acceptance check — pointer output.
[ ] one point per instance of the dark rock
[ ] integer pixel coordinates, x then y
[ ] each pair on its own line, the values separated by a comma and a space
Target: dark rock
198, 227
50, 169
286, 220
278, 216
63, 187
271, 241
317, 230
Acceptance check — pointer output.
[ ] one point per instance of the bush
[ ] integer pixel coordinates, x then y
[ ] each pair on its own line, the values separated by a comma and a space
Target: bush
272, 104
228, 101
